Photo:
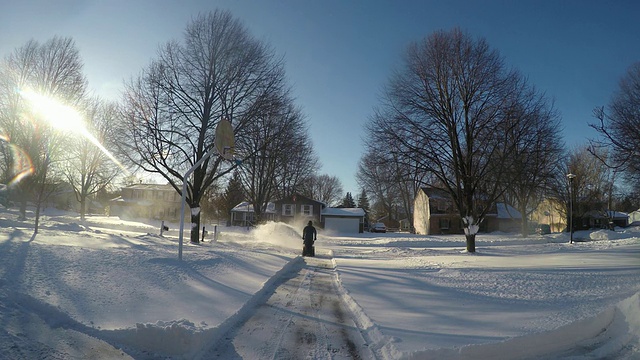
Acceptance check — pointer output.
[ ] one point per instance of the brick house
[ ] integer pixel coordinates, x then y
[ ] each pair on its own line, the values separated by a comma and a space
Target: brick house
434, 214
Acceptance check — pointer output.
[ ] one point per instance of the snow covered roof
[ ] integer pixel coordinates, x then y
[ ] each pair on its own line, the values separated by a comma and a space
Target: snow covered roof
609, 213
506, 211
245, 206
435, 193
355, 212
150, 187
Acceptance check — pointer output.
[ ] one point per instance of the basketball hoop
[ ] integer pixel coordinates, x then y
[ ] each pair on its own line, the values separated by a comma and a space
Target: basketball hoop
224, 141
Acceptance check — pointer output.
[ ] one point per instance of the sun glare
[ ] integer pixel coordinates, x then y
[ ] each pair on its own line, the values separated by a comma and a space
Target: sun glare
64, 118
60, 116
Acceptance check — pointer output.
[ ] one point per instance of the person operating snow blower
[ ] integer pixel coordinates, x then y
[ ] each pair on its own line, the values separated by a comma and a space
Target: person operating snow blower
309, 235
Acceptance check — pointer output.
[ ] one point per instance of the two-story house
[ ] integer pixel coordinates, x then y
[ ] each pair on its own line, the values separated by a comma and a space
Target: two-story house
148, 201
434, 213
298, 209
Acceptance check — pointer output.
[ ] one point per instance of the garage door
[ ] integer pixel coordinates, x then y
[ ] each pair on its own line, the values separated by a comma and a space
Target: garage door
342, 225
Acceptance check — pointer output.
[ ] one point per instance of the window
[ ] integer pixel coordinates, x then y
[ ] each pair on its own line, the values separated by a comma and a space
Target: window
444, 224
287, 210
306, 210
442, 206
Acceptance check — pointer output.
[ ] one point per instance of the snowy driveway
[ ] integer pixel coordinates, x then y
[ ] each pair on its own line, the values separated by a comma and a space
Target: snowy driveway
304, 318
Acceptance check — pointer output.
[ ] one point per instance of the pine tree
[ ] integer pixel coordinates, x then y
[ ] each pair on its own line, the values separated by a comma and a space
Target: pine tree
363, 203
233, 195
348, 202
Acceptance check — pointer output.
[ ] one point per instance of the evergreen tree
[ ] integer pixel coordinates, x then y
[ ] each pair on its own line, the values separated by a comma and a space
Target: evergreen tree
233, 195
363, 203
348, 201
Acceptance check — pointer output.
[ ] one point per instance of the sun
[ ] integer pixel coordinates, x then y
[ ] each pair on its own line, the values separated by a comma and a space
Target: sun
64, 118
60, 116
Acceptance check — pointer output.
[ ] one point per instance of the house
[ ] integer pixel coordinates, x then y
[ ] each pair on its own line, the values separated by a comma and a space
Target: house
343, 220
62, 196
434, 213
298, 209
552, 212
243, 214
634, 217
595, 219
147, 201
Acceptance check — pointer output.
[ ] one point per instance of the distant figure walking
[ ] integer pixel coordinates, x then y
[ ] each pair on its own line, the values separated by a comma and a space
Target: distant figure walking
309, 235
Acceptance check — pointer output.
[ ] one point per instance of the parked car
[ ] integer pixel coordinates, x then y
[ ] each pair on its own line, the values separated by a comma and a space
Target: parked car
378, 228
543, 229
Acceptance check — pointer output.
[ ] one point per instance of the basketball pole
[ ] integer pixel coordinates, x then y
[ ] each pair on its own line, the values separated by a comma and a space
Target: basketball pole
223, 144
184, 199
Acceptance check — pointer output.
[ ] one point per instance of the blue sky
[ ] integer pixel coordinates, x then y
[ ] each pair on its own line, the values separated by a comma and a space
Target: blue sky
339, 54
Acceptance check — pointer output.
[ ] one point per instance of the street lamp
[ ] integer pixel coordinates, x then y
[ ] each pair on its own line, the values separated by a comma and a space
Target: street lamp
571, 177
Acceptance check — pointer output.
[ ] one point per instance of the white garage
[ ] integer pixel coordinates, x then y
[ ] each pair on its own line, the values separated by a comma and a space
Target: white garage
343, 220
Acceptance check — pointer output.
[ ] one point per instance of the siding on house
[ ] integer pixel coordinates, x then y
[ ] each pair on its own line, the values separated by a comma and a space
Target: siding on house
343, 219
434, 214
147, 201
243, 214
634, 217
298, 209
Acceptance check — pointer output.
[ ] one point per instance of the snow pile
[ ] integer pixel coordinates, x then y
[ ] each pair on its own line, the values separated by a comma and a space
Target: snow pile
180, 338
607, 235
614, 333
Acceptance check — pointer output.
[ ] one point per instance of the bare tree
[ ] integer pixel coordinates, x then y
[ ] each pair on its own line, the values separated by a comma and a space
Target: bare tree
447, 113
594, 184
538, 153
172, 109
53, 70
271, 137
619, 126
297, 167
324, 188
88, 168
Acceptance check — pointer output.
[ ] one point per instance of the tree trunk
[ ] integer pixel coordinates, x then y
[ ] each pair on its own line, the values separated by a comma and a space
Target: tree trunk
23, 207
525, 222
195, 225
83, 202
471, 242
37, 221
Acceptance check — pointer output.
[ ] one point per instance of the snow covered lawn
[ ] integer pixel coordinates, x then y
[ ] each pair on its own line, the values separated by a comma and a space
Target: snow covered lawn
107, 288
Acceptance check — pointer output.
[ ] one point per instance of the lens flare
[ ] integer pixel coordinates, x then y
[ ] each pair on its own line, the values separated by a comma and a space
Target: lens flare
64, 118
22, 165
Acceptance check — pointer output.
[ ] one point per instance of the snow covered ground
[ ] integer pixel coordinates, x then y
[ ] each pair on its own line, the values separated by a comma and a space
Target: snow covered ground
106, 288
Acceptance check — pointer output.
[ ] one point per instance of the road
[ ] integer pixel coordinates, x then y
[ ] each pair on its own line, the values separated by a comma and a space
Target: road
304, 318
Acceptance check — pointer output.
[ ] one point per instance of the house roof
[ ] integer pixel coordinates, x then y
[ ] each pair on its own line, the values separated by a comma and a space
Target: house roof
246, 206
150, 187
352, 212
506, 211
435, 193
301, 198
609, 213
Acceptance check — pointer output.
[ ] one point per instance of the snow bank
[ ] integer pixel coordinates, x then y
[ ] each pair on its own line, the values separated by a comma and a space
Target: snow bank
609, 334
607, 235
182, 339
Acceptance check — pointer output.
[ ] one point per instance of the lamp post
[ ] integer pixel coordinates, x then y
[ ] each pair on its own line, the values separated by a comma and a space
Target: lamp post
571, 177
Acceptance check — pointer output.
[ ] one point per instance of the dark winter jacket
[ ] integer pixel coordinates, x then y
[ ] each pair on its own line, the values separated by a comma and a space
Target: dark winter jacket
309, 234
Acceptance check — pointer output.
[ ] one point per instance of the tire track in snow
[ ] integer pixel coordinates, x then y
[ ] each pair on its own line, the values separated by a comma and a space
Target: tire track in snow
304, 318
